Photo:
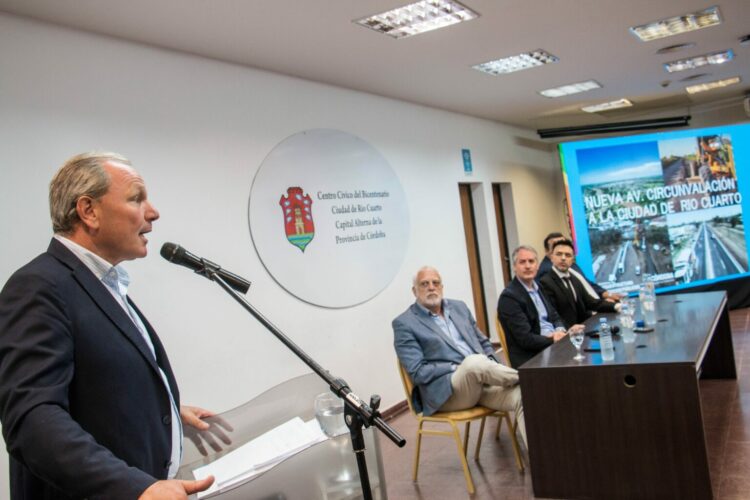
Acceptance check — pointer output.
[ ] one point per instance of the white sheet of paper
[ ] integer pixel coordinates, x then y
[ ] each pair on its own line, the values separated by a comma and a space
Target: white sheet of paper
260, 454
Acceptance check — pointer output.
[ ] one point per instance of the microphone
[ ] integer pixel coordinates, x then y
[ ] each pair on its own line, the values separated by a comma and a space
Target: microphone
594, 334
175, 254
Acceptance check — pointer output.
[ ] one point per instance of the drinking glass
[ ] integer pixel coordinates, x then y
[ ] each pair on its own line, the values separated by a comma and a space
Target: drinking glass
626, 314
647, 296
329, 411
576, 338
627, 322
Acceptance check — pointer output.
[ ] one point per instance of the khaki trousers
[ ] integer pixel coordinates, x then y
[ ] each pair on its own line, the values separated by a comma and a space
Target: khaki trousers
480, 381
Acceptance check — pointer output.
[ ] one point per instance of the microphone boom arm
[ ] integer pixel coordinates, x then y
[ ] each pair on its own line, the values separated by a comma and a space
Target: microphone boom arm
357, 412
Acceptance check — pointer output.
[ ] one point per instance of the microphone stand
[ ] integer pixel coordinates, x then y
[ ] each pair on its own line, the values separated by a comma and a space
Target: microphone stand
356, 412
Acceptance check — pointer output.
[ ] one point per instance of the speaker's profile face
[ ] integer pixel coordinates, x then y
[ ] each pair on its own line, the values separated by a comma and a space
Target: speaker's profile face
124, 216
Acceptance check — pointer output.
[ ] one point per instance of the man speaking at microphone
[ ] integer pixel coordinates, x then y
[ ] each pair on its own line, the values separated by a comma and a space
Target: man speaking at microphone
88, 402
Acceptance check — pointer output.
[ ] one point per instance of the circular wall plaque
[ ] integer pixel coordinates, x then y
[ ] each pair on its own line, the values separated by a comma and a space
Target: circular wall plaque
328, 218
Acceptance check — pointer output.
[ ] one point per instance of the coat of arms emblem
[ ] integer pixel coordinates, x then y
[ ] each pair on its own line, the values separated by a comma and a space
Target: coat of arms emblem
298, 221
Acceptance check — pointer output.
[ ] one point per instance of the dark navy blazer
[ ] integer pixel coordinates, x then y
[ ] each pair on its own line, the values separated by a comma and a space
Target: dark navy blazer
520, 321
84, 411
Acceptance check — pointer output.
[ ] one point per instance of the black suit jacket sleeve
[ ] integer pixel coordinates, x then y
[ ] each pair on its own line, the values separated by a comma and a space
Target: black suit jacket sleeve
552, 315
37, 359
555, 291
592, 304
550, 292
572, 311
514, 316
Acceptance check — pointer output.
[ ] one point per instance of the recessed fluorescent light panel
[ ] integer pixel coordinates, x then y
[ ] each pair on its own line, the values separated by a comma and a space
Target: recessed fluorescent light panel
517, 63
702, 87
606, 106
678, 24
572, 88
698, 61
418, 17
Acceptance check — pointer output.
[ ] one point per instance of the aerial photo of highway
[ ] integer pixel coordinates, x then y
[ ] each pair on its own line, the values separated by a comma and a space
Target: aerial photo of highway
642, 251
708, 244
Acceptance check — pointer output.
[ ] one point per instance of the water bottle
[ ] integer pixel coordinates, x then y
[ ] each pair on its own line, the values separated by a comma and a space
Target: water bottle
605, 340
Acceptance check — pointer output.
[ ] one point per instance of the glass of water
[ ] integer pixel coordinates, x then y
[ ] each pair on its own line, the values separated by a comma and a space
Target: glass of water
329, 412
626, 314
576, 338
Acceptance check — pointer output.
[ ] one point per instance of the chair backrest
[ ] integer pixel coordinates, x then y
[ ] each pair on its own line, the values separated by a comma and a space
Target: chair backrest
408, 385
503, 341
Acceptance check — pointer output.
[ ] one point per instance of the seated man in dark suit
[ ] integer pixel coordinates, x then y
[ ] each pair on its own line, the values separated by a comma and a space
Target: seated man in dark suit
452, 364
88, 402
530, 321
593, 289
565, 291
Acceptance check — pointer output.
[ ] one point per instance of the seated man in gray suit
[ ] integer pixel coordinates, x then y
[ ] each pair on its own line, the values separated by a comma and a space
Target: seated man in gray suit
451, 362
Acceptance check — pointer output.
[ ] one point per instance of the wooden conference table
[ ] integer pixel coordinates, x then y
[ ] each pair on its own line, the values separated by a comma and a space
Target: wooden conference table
631, 428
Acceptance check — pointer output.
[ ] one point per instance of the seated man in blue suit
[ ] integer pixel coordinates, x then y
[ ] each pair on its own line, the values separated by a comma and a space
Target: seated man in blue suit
88, 401
452, 363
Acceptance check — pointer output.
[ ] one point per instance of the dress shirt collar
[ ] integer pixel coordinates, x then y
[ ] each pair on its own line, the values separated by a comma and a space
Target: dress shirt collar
534, 288
114, 277
546, 328
444, 307
560, 273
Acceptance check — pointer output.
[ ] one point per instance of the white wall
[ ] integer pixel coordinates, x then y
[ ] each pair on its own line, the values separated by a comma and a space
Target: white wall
197, 130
